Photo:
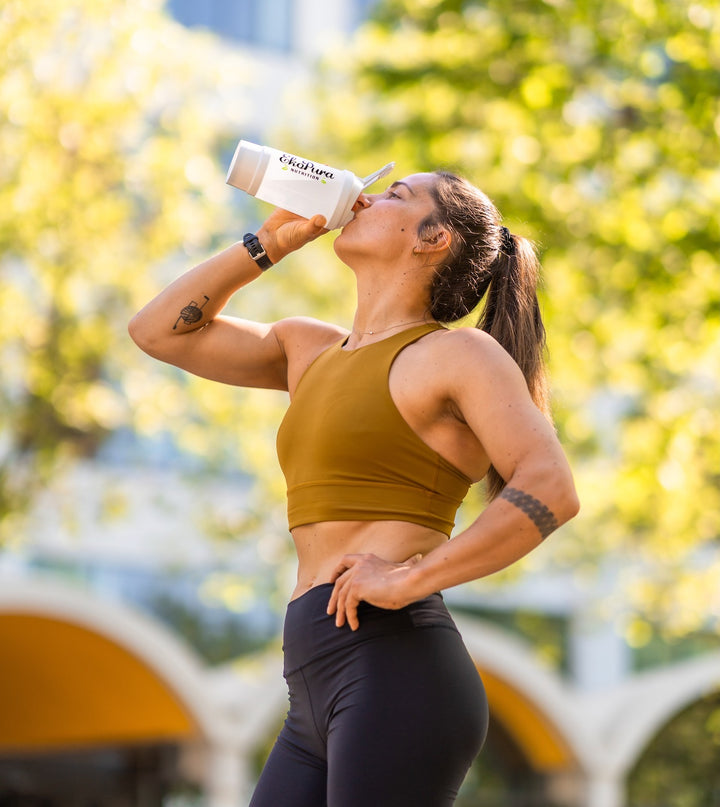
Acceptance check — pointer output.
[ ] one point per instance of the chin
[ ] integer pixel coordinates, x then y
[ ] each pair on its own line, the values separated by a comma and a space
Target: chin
339, 243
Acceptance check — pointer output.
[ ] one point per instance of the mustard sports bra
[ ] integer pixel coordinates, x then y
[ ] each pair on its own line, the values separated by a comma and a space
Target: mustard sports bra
348, 454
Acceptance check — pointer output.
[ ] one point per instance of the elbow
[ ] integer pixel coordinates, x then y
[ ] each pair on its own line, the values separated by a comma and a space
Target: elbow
135, 330
140, 334
569, 503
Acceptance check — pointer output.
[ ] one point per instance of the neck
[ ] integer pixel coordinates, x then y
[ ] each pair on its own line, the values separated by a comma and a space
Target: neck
390, 297
383, 304
388, 328
377, 322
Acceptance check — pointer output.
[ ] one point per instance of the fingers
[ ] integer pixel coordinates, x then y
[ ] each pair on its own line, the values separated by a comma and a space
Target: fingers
318, 222
312, 228
336, 604
354, 578
332, 604
341, 613
301, 231
351, 615
347, 607
340, 569
345, 565
341, 603
284, 232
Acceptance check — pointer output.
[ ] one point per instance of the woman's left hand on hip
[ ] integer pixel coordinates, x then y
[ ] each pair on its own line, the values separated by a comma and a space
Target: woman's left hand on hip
368, 578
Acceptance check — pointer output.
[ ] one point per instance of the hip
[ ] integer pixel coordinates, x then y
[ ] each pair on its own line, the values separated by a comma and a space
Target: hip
310, 633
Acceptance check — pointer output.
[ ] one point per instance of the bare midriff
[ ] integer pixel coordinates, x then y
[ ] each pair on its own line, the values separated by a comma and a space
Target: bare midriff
321, 546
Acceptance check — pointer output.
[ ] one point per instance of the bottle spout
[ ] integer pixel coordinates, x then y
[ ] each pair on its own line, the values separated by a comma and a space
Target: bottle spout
381, 172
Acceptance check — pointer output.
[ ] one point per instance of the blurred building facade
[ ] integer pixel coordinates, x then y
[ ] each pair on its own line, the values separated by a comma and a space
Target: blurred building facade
112, 694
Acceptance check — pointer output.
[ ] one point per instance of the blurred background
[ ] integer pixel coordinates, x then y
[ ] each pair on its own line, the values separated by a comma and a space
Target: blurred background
144, 553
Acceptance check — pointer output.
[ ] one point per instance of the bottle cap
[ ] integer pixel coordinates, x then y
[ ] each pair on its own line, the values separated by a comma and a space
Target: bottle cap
247, 167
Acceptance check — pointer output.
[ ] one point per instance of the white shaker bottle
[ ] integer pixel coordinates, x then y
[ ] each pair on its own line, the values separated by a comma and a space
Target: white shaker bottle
297, 184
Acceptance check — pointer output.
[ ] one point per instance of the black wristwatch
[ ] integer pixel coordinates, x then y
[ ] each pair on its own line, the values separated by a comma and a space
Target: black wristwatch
257, 251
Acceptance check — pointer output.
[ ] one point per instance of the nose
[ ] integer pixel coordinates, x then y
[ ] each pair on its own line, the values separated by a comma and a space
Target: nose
363, 201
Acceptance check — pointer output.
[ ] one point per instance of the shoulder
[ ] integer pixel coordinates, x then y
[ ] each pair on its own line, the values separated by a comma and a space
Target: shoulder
468, 361
302, 340
306, 332
458, 346
450, 359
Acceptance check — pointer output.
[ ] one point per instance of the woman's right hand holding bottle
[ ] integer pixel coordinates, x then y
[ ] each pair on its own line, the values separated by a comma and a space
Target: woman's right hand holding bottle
284, 232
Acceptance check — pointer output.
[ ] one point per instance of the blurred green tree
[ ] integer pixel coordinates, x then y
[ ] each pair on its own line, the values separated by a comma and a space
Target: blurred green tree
667, 775
112, 124
103, 161
115, 126
594, 126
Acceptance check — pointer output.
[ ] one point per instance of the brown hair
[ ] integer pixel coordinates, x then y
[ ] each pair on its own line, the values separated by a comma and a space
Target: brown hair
488, 262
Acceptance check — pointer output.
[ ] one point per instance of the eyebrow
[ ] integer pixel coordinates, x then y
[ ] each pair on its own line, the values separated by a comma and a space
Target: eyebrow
405, 185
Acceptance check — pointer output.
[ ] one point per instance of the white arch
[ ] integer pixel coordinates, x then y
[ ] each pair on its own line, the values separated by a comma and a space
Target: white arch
253, 694
235, 705
512, 661
173, 662
646, 703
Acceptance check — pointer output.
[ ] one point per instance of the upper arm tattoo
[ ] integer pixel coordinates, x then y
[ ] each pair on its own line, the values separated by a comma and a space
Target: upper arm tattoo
533, 508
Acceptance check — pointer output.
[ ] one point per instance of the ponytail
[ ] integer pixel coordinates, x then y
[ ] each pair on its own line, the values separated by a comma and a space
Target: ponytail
488, 262
511, 315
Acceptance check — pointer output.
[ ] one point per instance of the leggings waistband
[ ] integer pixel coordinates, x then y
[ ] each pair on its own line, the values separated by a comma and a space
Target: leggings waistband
310, 632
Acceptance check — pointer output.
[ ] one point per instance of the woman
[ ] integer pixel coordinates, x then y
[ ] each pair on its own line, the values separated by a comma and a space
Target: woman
387, 427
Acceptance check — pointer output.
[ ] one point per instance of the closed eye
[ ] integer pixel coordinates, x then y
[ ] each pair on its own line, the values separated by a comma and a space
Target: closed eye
400, 184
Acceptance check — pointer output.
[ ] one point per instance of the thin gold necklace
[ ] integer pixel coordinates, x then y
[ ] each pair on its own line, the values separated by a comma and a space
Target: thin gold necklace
389, 327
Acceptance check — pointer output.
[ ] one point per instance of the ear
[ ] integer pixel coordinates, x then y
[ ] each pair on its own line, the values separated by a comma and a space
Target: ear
438, 240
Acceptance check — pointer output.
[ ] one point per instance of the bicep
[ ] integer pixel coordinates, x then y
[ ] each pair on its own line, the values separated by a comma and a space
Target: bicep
523, 448
233, 351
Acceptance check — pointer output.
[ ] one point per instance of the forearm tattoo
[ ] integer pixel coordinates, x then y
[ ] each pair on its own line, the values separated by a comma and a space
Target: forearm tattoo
192, 312
533, 508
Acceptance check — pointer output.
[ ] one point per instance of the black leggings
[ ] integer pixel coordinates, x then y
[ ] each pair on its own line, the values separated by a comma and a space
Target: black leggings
391, 715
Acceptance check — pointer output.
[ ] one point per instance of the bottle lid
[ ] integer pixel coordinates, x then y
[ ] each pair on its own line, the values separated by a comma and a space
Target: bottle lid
247, 167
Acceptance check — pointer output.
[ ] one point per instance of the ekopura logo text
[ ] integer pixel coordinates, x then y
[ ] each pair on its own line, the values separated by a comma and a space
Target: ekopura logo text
306, 168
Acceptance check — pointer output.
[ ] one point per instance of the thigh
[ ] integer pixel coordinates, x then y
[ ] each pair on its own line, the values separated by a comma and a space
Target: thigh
292, 777
409, 723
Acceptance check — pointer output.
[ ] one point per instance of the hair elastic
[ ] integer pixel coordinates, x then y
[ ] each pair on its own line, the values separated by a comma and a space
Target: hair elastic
507, 241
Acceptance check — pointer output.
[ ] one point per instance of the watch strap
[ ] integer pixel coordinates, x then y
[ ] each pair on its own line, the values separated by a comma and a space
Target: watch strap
257, 251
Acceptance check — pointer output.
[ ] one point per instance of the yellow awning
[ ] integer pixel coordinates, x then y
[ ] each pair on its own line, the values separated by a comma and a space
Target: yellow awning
536, 736
63, 685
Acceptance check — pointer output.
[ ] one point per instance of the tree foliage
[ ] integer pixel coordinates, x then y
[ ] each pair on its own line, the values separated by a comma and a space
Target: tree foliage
115, 125
594, 126
667, 775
